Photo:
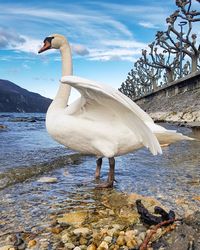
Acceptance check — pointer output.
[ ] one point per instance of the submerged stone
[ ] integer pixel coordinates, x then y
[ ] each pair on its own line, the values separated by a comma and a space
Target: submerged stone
74, 218
48, 180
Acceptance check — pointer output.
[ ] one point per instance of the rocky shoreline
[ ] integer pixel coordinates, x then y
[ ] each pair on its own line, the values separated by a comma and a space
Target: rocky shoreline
186, 118
117, 226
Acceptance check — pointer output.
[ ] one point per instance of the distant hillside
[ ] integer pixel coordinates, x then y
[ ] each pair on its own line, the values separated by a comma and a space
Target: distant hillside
16, 99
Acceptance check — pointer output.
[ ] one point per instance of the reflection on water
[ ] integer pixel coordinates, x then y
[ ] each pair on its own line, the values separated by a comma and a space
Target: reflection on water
173, 178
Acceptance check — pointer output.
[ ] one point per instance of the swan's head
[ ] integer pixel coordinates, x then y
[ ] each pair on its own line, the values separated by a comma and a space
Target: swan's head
54, 41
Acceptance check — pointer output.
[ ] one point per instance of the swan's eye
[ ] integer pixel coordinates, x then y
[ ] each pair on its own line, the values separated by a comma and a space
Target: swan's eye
48, 39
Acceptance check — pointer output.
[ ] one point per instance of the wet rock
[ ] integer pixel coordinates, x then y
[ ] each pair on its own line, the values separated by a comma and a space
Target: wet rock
74, 218
48, 180
77, 248
2, 127
56, 230
193, 220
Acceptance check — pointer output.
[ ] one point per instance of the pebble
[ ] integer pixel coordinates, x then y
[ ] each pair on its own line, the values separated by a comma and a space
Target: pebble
56, 230
69, 245
82, 230
47, 180
121, 240
103, 246
108, 239
83, 241
131, 244
142, 235
2, 126
32, 243
77, 248
91, 247
7, 247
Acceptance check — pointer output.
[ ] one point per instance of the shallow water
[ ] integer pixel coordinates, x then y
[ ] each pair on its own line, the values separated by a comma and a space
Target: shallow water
27, 204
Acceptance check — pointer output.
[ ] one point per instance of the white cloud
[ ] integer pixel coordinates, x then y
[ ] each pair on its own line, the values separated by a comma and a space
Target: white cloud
30, 45
100, 32
9, 38
148, 25
79, 49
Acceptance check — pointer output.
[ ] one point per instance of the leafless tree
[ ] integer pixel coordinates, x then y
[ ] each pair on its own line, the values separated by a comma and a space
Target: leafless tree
161, 63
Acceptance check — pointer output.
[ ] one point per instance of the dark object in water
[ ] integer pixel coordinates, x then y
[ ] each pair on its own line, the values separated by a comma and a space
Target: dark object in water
150, 219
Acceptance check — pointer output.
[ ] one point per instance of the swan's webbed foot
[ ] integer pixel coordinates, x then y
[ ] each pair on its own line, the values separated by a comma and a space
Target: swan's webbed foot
98, 168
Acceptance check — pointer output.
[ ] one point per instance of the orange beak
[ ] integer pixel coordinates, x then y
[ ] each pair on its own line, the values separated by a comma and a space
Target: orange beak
47, 45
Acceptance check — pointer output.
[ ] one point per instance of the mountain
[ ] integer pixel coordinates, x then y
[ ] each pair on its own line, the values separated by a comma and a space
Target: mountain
16, 99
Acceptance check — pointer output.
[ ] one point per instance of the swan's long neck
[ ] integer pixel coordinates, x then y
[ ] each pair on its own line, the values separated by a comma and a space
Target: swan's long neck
62, 96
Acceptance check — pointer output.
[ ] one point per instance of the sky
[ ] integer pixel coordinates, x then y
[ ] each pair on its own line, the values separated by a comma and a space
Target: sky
106, 38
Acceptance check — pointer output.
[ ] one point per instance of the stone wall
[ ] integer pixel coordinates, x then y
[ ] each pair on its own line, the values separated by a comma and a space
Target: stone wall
178, 102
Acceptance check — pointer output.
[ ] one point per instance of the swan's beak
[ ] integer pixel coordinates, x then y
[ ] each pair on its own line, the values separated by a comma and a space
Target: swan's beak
46, 46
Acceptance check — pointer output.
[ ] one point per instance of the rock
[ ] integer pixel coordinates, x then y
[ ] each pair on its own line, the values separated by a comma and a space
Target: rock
120, 240
69, 246
130, 234
193, 220
103, 246
131, 244
32, 243
3, 127
77, 248
7, 247
56, 230
108, 239
135, 232
83, 241
82, 230
74, 218
142, 235
83, 247
117, 227
91, 247
47, 180
111, 232
65, 238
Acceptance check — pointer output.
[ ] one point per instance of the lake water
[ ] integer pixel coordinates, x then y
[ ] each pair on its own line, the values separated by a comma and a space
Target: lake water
27, 153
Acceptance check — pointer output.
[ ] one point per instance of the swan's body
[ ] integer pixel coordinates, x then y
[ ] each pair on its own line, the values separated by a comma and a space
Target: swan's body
103, 121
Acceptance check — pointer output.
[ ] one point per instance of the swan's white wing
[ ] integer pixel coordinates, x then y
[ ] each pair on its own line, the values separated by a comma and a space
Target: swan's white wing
131, 115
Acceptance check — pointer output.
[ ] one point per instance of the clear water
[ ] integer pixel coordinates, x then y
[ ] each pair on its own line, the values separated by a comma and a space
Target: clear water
27, 153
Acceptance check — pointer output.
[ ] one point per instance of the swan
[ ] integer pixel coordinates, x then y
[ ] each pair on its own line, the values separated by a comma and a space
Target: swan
102, 122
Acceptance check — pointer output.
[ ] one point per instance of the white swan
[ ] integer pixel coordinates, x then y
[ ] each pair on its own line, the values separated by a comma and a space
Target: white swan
103, 121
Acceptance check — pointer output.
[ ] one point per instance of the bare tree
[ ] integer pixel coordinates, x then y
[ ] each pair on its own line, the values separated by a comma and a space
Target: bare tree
161, 60
170, 39
161, 63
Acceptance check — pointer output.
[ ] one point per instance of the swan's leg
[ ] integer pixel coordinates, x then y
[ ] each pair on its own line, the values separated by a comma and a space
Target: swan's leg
98, 168
111, 175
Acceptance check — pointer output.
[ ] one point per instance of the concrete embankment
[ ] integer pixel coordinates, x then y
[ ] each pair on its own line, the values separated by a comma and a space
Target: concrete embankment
179, 102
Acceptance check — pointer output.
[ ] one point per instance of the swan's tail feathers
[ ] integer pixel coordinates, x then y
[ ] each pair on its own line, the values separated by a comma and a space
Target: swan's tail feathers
171, 136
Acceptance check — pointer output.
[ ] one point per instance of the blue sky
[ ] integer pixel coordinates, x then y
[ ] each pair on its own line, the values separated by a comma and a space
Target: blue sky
106, 38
